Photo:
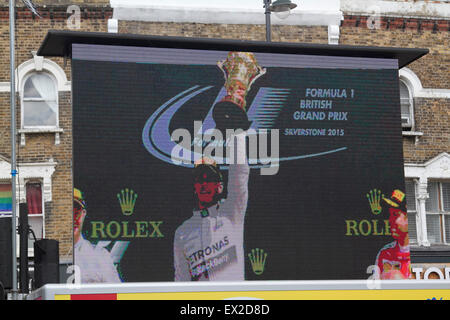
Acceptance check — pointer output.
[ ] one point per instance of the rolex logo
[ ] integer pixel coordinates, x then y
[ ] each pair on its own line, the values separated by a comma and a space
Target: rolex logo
258, 260
127, 199
374, 197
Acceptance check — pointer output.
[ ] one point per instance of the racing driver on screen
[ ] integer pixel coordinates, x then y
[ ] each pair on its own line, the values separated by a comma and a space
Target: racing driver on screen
394, 260
95, 263
209, 245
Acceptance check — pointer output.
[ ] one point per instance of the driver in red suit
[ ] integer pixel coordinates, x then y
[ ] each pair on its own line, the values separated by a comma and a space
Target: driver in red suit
393, 260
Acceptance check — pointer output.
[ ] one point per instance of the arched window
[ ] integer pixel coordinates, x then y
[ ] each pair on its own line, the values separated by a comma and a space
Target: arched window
406, 104
39, 101
40, 80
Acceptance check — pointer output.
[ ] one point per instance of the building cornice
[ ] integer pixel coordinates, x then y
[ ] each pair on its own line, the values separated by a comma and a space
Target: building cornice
435, 168
422, 9
224, 16
59, 12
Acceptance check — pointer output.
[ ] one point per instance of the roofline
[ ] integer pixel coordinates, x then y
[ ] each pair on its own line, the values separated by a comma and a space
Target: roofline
58, 43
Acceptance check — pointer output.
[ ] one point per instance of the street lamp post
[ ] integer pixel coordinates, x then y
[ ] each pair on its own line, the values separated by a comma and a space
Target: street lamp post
13, 144
267, 13
281, 7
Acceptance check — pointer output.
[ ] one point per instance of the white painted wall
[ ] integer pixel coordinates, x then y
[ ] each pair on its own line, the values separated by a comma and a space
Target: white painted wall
303, 5
308, 12
397, 8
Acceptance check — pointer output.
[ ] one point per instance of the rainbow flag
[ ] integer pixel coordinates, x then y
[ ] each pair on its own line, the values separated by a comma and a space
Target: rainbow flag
5, 198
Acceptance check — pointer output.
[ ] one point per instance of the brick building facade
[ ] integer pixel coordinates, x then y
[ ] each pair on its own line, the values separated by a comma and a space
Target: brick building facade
44, 154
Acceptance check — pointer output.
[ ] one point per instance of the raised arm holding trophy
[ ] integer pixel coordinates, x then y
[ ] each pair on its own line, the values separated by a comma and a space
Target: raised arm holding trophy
210, 244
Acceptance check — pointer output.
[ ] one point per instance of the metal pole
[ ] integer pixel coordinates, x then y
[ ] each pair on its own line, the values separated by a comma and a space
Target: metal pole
13, 143
268, 31
23, 248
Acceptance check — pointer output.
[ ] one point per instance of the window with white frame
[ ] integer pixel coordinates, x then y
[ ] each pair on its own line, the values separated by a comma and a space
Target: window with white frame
35, 211
39, 101
34, 206
34, 188
411, 205
406, 106
438, 212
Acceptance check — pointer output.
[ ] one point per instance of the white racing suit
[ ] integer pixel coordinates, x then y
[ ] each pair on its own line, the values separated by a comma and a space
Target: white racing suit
95, 263
211, 247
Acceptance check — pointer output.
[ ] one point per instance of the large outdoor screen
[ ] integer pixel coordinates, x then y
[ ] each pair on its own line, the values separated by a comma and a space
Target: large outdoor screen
201, 165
